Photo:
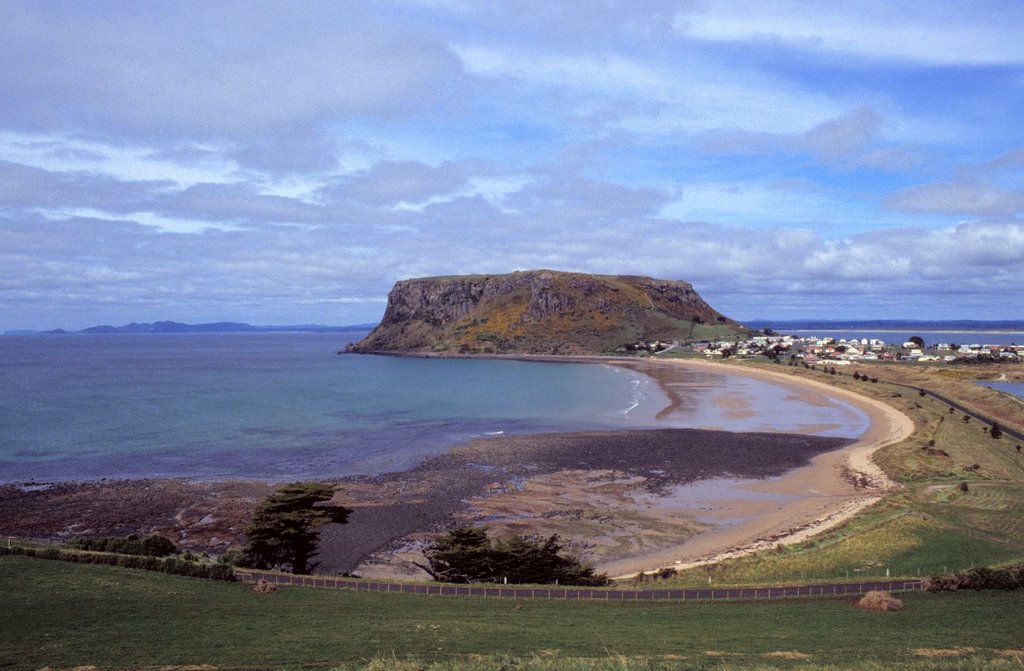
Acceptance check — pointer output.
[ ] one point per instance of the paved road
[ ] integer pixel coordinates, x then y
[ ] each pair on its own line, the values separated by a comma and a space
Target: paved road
580, 593
1007, 432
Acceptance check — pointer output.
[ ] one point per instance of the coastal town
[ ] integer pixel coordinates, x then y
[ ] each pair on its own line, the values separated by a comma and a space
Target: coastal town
830, 351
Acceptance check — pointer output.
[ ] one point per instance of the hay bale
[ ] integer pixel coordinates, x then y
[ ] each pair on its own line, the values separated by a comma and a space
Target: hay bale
880, 601
264, 587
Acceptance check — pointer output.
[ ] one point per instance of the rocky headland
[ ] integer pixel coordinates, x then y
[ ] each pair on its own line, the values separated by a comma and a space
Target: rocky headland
541, 312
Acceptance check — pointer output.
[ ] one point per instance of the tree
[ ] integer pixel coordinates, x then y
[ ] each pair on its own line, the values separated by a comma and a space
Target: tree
466, 554
996, 431
917, 340
283, 531
461, 555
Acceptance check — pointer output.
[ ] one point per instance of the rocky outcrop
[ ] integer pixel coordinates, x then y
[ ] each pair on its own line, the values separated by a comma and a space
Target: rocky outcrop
541, 312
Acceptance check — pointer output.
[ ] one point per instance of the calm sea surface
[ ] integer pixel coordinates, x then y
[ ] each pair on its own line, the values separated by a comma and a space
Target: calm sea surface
285, 405
1015, 388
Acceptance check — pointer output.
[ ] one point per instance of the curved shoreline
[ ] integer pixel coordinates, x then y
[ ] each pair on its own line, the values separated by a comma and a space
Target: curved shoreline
830, 490
833, 487
783, 508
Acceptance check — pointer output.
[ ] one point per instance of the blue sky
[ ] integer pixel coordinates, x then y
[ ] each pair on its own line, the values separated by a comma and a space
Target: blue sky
288, 162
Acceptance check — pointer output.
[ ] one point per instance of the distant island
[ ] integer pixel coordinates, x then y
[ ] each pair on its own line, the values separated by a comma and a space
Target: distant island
215, 327
542, 312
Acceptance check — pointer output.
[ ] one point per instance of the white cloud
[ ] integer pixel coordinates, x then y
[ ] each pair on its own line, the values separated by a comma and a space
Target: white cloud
853, 139
976, 33
687, 94
770, 205
203, 158
959, 198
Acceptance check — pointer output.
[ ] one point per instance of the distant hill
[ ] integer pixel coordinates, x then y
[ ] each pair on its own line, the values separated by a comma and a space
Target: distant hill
541, 311
889, 325
215, 327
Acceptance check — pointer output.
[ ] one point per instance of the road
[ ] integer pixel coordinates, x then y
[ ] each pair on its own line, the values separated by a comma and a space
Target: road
1007, 432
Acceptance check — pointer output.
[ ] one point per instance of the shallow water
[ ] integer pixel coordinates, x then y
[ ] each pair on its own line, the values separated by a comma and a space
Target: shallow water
285, 405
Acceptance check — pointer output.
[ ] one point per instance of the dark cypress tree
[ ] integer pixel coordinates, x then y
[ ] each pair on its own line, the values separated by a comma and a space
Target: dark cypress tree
466, 554
283, 532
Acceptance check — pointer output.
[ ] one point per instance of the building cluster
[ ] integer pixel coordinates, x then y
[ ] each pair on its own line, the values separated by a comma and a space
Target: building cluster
844, 352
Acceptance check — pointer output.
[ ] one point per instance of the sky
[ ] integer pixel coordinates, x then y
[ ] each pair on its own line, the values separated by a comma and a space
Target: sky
288, 162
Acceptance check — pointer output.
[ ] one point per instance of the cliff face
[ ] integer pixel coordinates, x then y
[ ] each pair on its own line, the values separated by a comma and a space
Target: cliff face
540, 311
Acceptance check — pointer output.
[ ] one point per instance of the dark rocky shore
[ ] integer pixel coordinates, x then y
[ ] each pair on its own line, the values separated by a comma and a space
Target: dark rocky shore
211, 516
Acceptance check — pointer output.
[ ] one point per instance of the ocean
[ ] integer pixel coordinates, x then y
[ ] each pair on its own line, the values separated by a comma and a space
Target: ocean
1014, 388
283, 406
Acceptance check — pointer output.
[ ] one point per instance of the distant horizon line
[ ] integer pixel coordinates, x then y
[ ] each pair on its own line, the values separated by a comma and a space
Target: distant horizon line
170, 326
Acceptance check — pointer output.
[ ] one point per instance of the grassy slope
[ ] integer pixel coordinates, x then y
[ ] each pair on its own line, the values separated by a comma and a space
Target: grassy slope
64, 615
931, 525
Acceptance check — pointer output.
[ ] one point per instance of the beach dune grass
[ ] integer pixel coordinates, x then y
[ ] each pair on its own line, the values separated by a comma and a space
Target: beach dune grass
887, 539
67, 615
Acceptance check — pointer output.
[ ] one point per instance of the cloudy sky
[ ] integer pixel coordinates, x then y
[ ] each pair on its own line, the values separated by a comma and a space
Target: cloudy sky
287, 162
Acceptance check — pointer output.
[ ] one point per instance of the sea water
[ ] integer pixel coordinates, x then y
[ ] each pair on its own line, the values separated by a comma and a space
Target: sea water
282, 406
1014, 388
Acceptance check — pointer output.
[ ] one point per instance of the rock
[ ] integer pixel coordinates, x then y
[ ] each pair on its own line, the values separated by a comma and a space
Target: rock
541, 312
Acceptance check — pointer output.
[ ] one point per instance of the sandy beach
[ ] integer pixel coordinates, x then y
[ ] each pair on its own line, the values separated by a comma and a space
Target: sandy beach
811, 499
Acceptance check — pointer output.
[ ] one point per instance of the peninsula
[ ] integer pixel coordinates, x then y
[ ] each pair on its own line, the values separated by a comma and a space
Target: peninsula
542, 312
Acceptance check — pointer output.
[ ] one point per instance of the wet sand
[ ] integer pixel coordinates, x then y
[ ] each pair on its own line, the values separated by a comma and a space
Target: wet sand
829, 490
587, 486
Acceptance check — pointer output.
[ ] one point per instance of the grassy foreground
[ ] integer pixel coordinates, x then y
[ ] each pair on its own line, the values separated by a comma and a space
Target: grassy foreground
69, 615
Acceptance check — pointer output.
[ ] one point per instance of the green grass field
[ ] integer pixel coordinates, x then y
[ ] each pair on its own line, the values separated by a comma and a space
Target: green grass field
62, 616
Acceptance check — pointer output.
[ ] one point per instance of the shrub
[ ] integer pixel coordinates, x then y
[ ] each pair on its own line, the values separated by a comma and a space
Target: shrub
1006, 578
170, 565
152, 546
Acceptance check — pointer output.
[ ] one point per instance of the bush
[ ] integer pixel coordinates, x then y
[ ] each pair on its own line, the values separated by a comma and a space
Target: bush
151, 546
170, 565
1007, 578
